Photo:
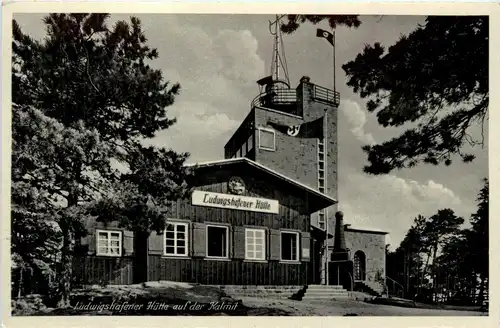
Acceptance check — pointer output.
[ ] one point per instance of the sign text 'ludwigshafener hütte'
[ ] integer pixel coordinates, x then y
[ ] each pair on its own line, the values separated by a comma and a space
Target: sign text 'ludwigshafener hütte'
243, 203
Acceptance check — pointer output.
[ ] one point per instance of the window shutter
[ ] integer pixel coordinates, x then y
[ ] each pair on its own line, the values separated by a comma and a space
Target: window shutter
238, 242
128, 243
155, 242
88, 242
91, 241
198, 240
305, 245
274, 245
230, 240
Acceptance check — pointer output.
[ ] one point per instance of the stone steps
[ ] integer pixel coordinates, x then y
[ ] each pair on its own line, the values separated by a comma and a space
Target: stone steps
321, 292
313, 292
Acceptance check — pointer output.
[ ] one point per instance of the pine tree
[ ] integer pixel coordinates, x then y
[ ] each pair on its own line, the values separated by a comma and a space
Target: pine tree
88, 91
434, 81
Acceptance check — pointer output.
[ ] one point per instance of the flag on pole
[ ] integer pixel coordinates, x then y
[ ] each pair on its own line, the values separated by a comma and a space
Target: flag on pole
325, 34
311, 129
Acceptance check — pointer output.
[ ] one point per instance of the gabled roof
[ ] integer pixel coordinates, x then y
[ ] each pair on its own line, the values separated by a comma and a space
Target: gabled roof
312, 193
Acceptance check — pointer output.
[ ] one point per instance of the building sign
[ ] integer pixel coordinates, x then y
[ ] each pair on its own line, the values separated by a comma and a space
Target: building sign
234, 202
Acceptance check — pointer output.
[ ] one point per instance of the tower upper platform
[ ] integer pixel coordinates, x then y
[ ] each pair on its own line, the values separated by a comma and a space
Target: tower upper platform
278, 95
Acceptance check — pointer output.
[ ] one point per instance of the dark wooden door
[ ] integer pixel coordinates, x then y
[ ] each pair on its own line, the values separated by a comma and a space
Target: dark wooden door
314, 276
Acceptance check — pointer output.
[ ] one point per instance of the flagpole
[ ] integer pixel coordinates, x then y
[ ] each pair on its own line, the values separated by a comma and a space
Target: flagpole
334, 46
325, 190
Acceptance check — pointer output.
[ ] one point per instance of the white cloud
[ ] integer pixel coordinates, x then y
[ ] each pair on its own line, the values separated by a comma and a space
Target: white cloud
238, 53
390, 203
200, 130
215, 70
357, 119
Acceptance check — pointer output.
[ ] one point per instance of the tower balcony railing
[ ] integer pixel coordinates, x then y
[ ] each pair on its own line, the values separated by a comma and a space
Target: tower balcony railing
276, 96
284, 100
326, 95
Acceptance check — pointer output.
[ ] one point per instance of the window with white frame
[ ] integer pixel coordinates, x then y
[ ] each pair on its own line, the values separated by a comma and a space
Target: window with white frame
289, 246
109, 243
176, 239
217, 241
267, 139
255, 244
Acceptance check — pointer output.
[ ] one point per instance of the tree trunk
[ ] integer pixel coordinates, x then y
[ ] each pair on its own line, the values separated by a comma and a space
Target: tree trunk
20, 287
424, 271
65, 271
65, 268
481, 289
434, 281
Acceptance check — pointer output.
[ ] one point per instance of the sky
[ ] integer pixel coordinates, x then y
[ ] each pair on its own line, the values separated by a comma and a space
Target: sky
217, 60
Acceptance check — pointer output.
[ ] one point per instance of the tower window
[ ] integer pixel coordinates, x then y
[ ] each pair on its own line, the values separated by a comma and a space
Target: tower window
267, 139
250, 143
321, 219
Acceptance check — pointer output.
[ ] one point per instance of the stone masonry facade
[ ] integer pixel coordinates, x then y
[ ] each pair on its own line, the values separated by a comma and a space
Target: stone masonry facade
372, 244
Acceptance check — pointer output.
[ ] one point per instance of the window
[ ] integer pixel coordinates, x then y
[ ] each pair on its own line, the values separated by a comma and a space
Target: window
359, 266
321, 219
255, 244
267, 139
244, 149
176, 239
109, 243
217, 241
321, 165
250, 143
289, 246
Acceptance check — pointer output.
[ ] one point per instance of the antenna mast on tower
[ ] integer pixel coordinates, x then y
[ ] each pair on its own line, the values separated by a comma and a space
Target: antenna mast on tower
279, 59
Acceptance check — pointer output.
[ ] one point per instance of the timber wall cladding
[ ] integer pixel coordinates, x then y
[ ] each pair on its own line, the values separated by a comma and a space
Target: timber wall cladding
93, 269
90, 270
235, 272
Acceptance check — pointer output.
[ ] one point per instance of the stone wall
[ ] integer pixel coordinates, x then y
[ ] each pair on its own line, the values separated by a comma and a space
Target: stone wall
372, 244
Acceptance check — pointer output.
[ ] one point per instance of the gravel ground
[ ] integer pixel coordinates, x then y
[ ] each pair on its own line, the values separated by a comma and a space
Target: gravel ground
348, 307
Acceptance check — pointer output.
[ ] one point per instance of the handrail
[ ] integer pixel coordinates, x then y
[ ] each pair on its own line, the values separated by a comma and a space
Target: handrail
285, 96
275, 96
326, 95
387, 277
395, 282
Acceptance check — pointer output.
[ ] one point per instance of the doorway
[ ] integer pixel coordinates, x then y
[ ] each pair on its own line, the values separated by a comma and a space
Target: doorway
359, 266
